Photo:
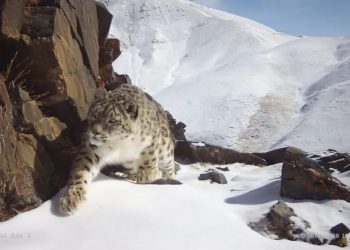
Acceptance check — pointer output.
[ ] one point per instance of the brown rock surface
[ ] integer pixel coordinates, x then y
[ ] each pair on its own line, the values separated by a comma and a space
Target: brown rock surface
61, 41
303, 178
11, 19
49, 51
26, 170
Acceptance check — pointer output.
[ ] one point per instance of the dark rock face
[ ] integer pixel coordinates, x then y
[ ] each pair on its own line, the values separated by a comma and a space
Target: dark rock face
303, 178
177, 128
49, 56
274, 156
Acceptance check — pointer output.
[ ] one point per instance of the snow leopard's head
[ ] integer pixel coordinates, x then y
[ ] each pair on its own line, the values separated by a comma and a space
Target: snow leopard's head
111, 117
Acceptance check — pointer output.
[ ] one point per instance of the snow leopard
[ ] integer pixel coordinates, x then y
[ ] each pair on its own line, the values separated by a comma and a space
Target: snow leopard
126, 126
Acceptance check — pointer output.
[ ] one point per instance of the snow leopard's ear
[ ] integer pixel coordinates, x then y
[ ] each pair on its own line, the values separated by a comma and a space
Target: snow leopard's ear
100, 93
131, 109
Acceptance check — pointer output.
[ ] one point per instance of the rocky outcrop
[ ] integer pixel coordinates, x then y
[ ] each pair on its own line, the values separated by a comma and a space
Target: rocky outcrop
200, 152
49, 52
60, 40
333, 160
278, 222
281, 222
27, 174
303, 178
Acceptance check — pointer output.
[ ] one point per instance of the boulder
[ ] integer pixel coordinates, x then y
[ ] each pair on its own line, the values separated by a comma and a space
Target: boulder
303, 178
108, 53
279, 223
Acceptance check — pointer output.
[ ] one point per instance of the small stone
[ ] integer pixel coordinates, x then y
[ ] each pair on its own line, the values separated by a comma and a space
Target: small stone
223, 169
214, 177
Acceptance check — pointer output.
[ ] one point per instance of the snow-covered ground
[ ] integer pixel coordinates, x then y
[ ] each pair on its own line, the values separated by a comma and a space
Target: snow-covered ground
235, 83
194, 215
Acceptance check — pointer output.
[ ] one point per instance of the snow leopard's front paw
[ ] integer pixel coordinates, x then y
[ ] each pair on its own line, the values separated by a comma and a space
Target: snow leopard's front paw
148, 175
71, 201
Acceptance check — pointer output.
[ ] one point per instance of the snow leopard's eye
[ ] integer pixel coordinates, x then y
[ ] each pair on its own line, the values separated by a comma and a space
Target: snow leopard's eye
113, 121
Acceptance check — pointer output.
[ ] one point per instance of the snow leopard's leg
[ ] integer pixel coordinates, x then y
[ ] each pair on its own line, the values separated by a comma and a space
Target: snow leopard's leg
148, 170
85, 167
166, 159
131, 169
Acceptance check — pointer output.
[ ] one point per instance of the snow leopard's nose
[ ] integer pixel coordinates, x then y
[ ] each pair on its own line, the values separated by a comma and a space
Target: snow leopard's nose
96, 129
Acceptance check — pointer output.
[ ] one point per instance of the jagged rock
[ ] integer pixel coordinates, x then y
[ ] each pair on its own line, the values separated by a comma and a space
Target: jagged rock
108, 54
214, 154
214, 177
11, 19
61, 40
279, 217
303, 178
104, 18
177, 128
278, 221
333, 160
49, 127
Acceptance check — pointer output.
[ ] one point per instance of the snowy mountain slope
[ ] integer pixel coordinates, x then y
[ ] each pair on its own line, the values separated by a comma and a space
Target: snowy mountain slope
326, 110
233, 81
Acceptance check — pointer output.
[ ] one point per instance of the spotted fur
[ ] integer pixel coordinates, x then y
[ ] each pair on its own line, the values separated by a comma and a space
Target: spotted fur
125, 126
